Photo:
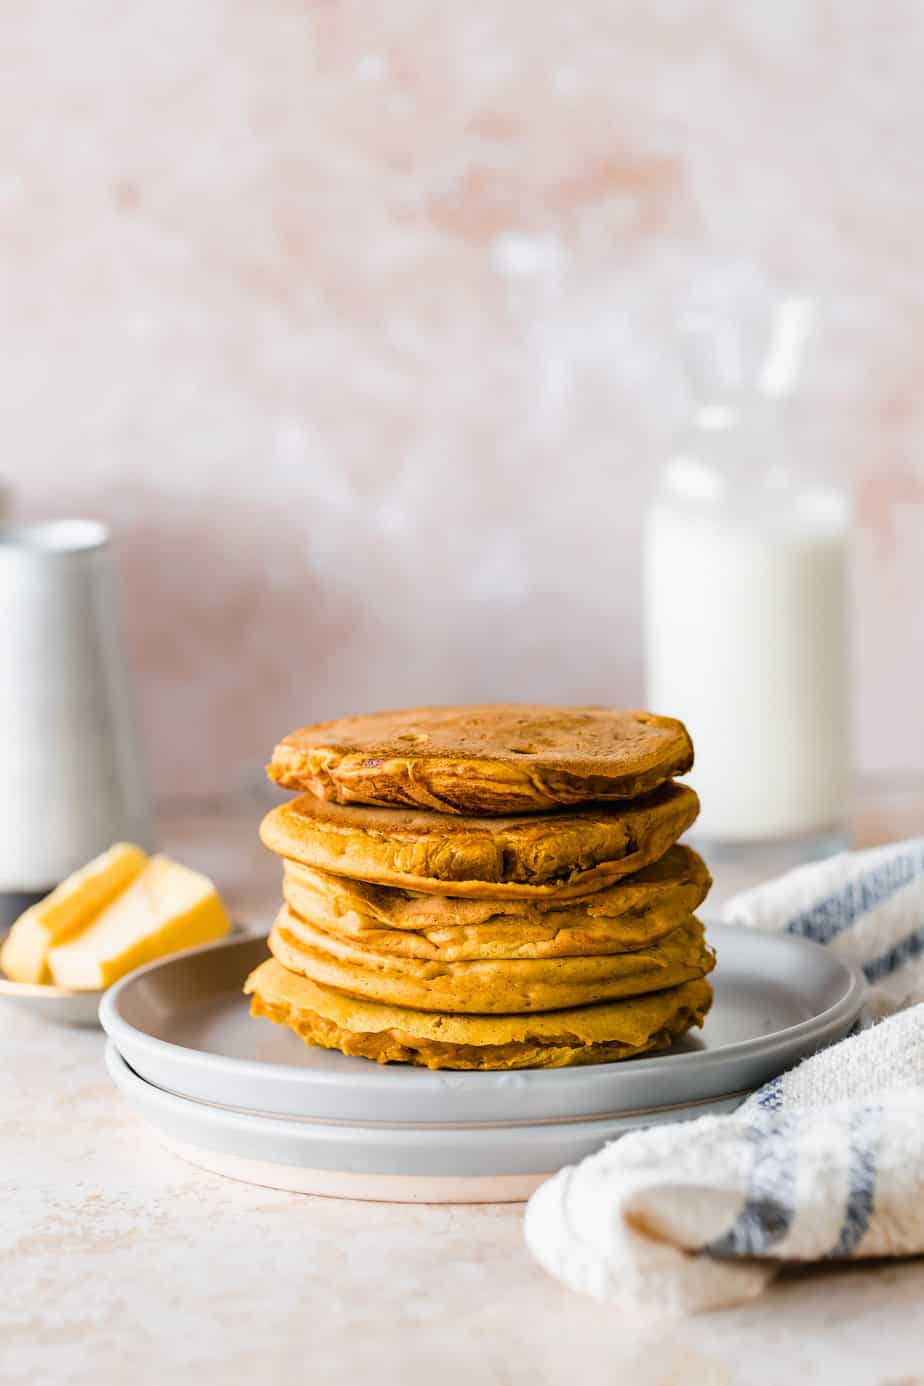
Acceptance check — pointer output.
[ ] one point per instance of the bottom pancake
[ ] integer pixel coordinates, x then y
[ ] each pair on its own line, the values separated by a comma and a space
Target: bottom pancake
599, 1033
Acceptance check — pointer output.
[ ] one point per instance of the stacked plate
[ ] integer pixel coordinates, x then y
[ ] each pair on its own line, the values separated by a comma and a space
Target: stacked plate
249, 1100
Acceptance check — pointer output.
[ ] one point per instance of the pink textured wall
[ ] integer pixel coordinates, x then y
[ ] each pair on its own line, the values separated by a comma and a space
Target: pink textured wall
355, 322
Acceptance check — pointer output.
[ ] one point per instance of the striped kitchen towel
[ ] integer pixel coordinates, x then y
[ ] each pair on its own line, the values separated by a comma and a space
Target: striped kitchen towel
825, 1163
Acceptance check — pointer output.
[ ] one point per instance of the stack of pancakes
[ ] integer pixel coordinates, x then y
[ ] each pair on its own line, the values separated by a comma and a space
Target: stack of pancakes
486, 887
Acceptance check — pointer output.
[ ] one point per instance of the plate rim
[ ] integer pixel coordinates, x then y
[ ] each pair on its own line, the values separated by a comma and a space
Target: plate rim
847, 1006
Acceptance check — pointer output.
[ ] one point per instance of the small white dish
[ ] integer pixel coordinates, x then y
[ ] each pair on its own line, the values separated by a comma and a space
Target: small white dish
59, 1004
63, 1005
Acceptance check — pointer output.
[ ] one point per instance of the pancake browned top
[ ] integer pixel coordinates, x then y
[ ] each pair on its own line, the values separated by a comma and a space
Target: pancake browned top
564, 855
499, 758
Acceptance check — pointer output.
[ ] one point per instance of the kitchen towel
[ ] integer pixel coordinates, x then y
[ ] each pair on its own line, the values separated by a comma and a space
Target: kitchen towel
825, 1163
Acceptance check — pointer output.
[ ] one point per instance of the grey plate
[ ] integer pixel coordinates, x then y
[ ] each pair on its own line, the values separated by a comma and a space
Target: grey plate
449, 1164
183, 1025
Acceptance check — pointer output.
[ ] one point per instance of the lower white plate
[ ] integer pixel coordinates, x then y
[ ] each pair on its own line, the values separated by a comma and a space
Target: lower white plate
386, 1162
184, 1026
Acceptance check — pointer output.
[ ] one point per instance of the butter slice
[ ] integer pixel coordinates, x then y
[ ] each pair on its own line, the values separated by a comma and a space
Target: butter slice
166, 908
67, 910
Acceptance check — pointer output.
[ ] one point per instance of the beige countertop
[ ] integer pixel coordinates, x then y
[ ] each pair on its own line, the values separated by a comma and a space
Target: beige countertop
122, 1266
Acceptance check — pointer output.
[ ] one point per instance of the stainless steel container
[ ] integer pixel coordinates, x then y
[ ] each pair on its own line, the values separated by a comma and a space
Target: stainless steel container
71, 775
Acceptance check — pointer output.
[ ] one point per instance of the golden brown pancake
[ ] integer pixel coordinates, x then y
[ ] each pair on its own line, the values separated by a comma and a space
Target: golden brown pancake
632, 913
489, 988
560, 855
602, 1033
501, 758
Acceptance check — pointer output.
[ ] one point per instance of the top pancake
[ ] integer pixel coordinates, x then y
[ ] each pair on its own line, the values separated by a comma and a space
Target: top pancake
500, 758
561, 855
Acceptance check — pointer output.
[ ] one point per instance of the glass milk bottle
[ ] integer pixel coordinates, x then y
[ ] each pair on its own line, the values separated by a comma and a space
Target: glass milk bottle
745, 558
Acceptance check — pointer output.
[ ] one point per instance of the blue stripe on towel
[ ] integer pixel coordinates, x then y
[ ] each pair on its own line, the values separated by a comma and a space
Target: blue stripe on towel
863, 1135
839, 911
911, 946
770, 1097
769, 1209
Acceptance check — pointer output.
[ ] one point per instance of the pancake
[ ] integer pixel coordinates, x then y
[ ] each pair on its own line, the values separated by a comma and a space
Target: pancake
502, 758
583, 1035
562, 855
632, 913
489, 988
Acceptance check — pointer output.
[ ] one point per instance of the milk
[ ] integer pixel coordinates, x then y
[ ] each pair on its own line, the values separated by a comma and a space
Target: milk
745, 586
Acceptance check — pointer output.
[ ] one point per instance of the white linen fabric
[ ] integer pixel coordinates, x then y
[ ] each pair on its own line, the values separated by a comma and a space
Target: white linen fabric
824, 1163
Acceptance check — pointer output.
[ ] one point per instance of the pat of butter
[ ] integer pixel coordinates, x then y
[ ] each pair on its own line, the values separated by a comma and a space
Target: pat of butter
166, 908
67, 910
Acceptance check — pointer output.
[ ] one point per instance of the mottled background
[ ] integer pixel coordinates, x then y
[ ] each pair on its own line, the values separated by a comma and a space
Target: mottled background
356, 322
